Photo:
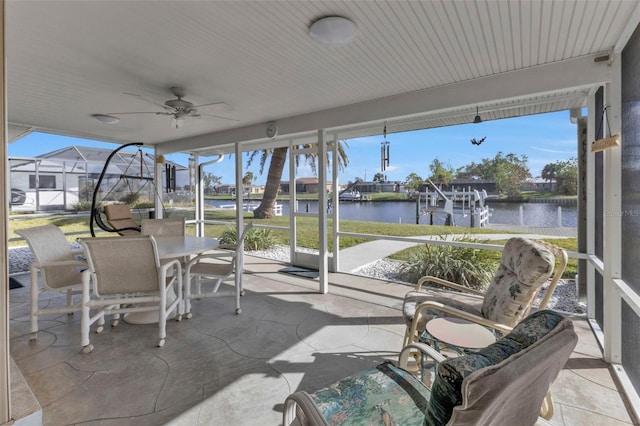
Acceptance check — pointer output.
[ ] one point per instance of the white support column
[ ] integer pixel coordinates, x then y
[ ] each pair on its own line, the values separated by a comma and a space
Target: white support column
613, 220
159, 184
293, 202
239, 216
5, 388
335, 211
591, 205
323, 244
198, 187
239, 189
198, 169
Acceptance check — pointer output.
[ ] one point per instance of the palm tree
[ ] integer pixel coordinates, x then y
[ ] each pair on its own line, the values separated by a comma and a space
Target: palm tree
247, 180
276, 166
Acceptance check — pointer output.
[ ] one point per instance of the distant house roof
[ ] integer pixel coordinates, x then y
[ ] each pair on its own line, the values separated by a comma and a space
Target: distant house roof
302, 180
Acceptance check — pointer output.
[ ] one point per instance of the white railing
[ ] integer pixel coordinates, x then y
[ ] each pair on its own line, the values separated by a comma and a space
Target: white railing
277, 208
481, 217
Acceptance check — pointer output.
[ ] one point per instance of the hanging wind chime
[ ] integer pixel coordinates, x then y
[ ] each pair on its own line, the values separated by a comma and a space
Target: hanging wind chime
384, 150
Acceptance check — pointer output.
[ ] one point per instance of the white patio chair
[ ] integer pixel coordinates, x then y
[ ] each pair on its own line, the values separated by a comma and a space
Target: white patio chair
59, 268
216, 268
165, 227
127, 277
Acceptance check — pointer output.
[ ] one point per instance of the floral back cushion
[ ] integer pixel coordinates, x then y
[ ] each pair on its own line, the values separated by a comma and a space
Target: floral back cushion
525, 266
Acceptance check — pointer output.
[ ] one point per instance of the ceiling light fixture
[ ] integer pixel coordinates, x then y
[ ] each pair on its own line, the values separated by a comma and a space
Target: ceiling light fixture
333, 31
106, 119
477, 119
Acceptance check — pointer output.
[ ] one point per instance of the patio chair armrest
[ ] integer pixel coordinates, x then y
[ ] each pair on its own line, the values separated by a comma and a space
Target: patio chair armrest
41, 265
403, 358
457, 313
446, 283
563, 259
301, 401
216, 255
174, 263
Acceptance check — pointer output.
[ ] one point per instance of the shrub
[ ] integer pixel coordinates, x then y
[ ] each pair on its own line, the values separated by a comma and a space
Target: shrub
469, 267
81, 206
130, 198
256, 238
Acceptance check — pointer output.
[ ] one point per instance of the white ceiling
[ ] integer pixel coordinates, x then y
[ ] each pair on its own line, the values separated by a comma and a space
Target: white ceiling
413, 64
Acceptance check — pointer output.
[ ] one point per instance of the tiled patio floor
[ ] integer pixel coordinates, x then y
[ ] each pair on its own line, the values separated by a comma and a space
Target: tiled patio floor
222, 369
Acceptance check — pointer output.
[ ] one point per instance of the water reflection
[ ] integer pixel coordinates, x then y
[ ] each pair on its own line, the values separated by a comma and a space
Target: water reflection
533, 214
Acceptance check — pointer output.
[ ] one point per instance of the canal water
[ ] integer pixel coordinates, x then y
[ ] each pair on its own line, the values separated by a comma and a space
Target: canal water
533, 214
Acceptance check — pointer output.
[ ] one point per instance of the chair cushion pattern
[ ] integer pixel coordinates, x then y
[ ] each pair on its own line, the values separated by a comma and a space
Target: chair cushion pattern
466, 302
382, 395
446, 390
525, 266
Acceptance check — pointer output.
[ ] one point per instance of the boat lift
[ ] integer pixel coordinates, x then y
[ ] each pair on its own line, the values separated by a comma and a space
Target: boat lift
471, 200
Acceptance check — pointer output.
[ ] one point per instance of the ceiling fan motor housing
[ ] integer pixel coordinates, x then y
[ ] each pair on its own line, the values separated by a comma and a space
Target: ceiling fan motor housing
180, 106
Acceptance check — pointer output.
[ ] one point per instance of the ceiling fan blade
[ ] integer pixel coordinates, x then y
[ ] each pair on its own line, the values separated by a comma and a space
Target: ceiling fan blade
210, 104
139, 112
163, 106
219, 116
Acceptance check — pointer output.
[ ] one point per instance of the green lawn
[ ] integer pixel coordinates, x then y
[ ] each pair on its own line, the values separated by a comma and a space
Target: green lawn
307, 235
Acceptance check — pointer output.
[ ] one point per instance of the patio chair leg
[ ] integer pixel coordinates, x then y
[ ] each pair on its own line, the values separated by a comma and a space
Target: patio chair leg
85, 321
547, 409
34, 304
187, 299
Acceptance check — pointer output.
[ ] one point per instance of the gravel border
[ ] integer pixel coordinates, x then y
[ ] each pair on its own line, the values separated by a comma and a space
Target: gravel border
564, 297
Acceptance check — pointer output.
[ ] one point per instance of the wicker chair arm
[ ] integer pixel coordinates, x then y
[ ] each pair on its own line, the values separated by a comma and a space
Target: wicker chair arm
446, 283
457, 313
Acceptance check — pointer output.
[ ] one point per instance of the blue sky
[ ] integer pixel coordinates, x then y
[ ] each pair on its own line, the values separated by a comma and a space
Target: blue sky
544, 139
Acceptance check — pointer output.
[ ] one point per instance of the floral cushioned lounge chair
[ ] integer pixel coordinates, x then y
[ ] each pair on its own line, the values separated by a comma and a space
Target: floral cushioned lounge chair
524, 267
503, 384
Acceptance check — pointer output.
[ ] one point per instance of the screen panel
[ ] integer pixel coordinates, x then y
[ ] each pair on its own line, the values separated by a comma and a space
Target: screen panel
630, 339
599, 296
599, 175
630, 214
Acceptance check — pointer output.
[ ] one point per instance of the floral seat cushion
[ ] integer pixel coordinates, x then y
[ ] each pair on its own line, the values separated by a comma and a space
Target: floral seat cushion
525, 266
382, 395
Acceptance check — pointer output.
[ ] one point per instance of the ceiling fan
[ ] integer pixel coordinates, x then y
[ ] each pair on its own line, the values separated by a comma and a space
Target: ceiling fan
178, 109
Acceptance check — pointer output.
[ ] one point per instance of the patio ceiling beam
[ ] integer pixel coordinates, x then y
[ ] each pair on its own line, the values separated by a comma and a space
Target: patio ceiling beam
559, 76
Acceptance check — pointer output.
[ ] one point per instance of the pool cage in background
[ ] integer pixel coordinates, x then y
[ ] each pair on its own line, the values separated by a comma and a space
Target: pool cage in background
65, 180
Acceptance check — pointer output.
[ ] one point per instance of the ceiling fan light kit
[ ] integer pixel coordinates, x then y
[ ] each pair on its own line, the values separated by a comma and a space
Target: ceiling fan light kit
106, 119
333, 31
